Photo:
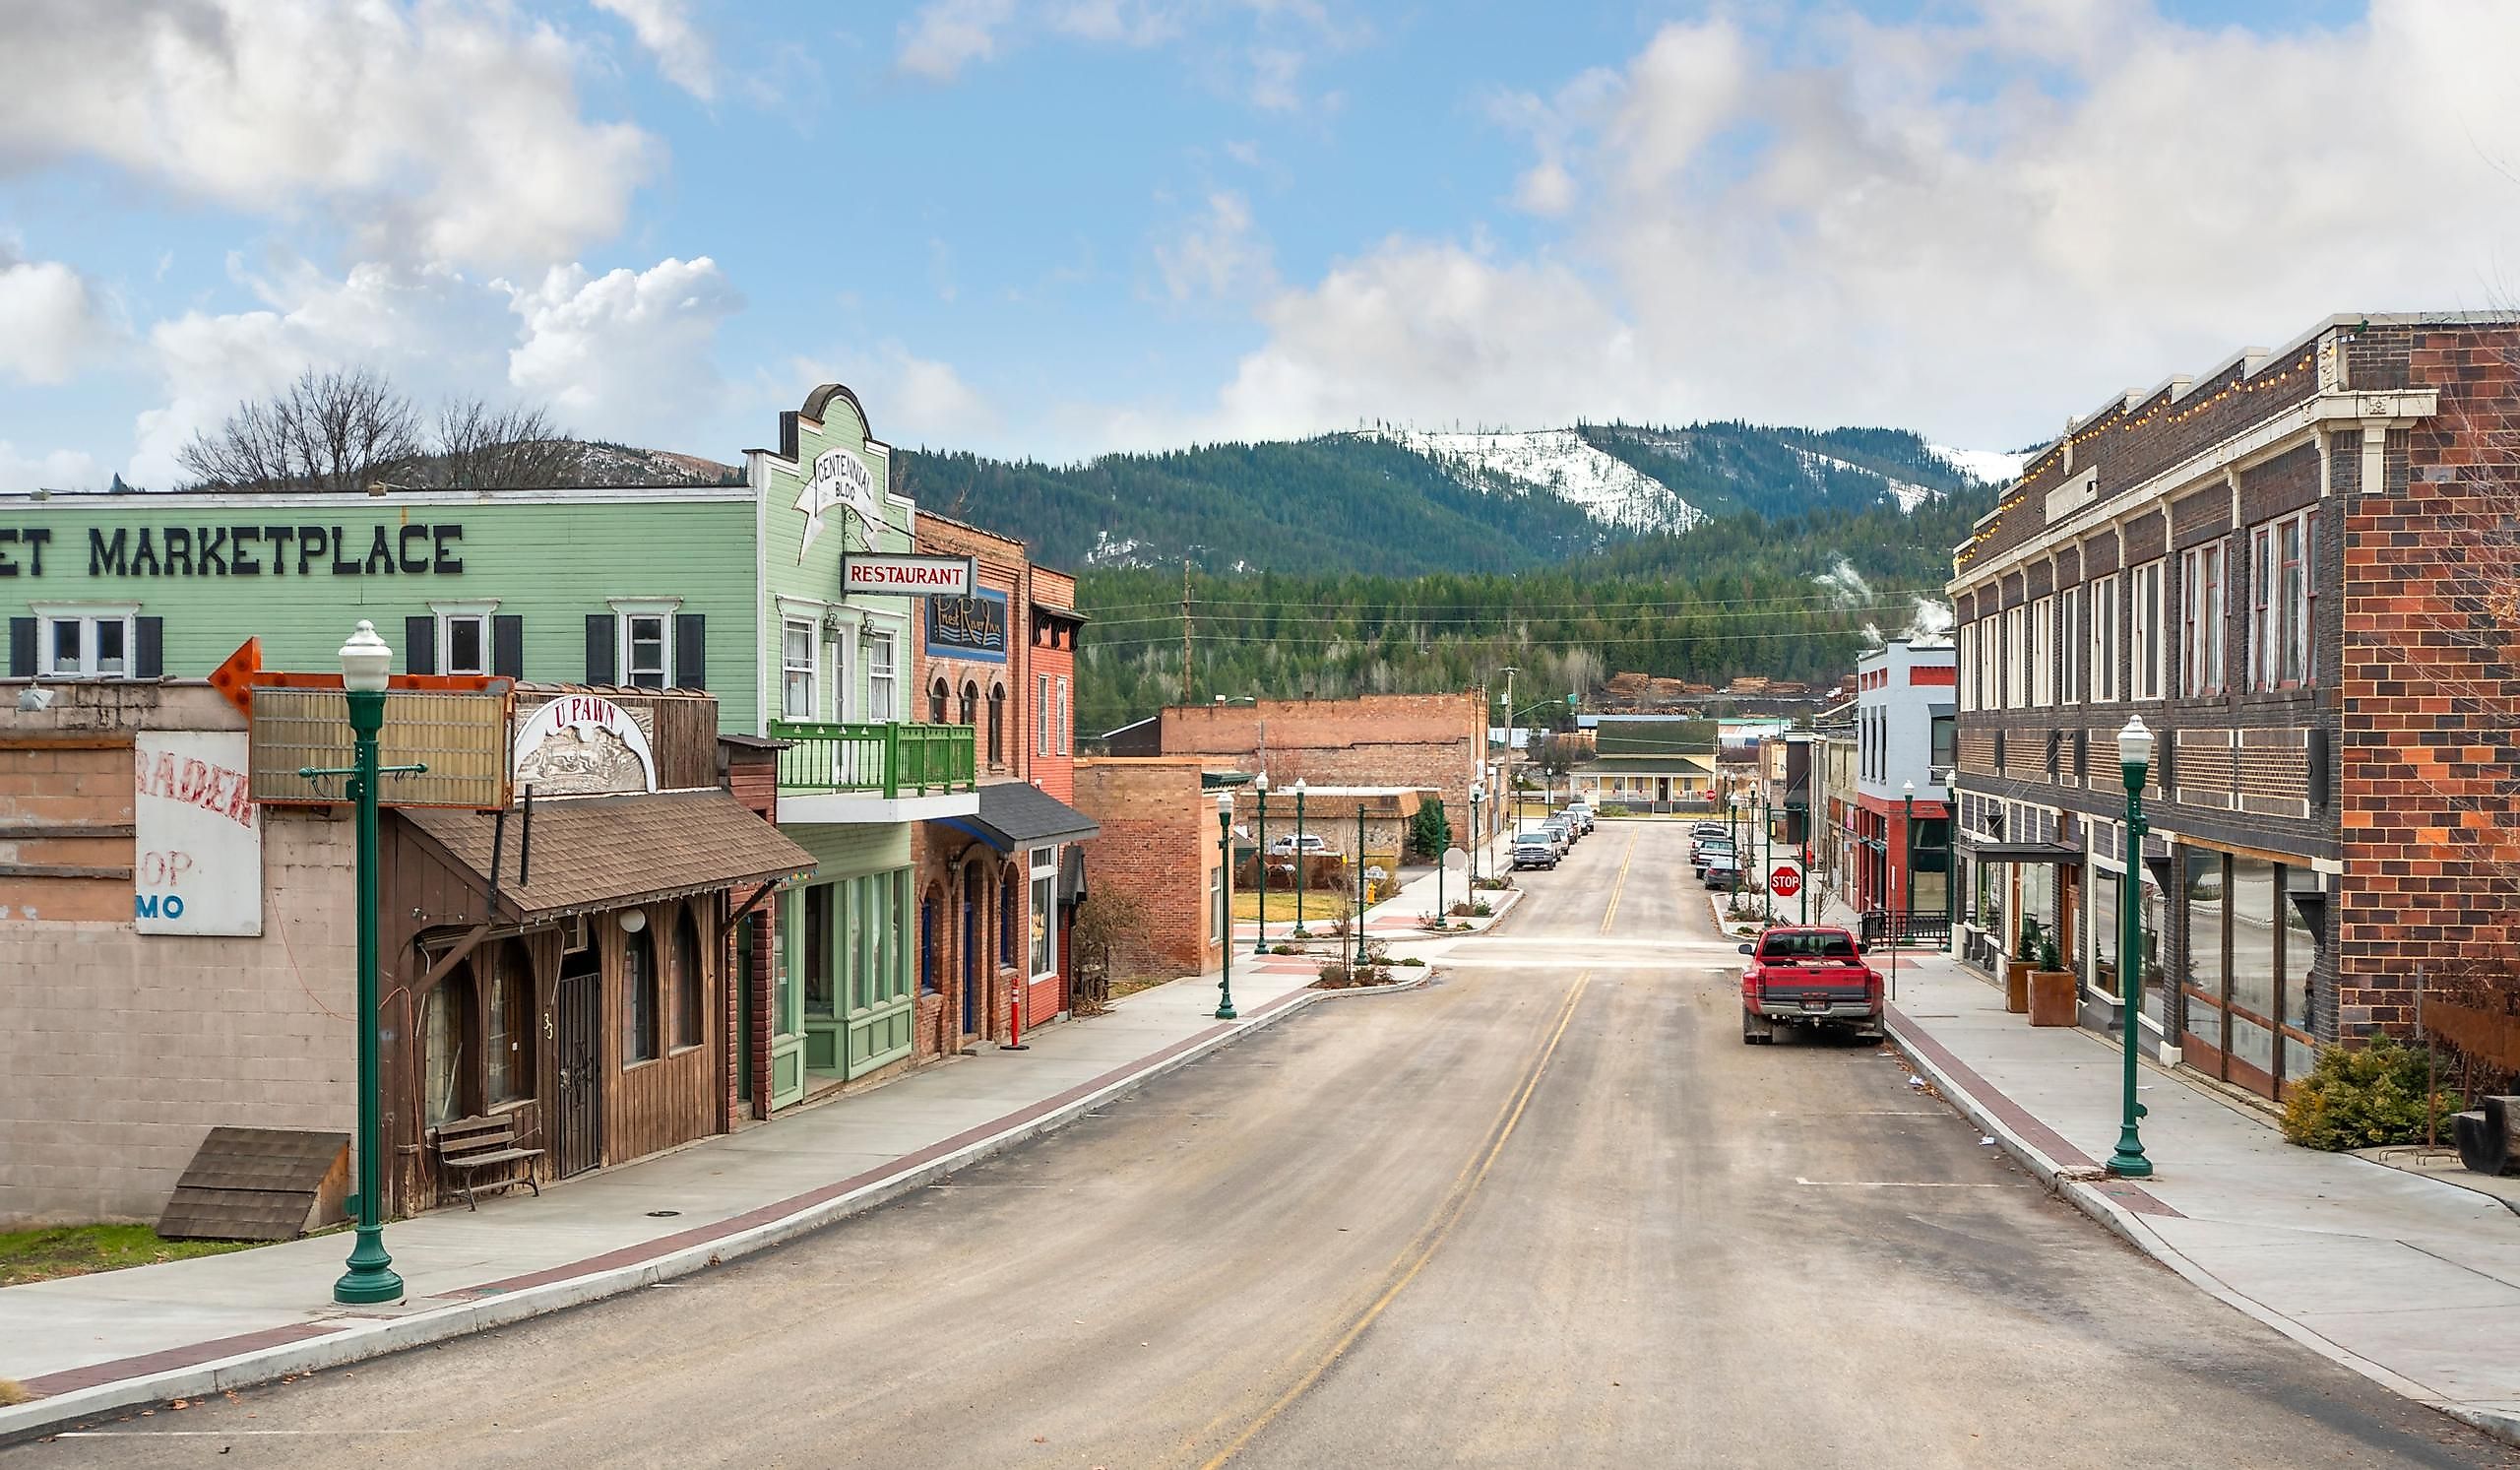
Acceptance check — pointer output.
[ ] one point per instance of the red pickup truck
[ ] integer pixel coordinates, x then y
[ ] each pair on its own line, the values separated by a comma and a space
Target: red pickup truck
1808, 977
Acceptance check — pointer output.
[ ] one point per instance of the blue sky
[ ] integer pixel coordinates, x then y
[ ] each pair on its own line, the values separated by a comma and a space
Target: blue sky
1062, 227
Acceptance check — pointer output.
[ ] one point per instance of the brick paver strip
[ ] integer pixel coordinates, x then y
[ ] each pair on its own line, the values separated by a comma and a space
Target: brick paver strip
700, 1234
2018, 1118
69, 1380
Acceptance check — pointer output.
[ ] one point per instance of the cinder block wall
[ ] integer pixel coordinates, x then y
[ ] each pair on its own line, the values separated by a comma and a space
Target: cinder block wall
118, 1050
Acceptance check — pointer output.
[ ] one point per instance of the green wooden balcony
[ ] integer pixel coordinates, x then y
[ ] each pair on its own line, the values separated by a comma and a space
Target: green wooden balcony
888, 760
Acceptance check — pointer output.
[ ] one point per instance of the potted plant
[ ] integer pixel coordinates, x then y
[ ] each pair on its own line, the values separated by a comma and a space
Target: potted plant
2052, 986
2017, 969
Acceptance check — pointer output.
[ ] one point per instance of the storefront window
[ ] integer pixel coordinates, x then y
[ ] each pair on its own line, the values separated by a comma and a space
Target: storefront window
2301, 950
2038, 899
2203, 880
1045, 867
442, 1034
2104, 925
821, 994
639, 999
2151, 919
688, 1010
2249, 917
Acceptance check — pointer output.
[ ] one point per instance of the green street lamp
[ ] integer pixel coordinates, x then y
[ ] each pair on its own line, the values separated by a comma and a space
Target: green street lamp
1260, 784
1301, 871
1224, 854
1908, 856
1478, 837
1360, 879
2134, 753
365, 666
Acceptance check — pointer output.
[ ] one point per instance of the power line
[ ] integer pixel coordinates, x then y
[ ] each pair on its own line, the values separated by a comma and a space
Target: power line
1173, 606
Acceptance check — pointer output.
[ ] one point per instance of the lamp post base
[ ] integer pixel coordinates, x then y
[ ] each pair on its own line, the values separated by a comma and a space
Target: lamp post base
370, 1278
2129, 1162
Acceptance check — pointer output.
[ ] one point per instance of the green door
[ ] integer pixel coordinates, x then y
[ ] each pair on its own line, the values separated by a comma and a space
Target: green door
788, 1031
881, 1008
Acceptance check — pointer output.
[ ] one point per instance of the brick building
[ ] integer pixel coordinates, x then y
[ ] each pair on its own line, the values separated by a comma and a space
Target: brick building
1436, 743
1904, 729
1157, 846
2282, 565
997, 887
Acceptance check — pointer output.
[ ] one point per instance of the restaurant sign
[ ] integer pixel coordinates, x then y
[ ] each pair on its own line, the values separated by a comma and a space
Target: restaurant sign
890, 574
580, 745
968, 628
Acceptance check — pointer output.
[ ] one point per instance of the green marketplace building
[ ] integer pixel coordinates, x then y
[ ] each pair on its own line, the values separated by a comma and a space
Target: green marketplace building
791, 597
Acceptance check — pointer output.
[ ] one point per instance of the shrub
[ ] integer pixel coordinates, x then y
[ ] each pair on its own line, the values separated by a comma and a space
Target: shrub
1333, 977
1281, 949
1613, 808
2363, 1097
1415, 962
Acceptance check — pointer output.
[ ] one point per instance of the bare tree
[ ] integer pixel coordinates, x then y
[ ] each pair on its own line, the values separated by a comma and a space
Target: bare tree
335, 429
479, 444
343, 429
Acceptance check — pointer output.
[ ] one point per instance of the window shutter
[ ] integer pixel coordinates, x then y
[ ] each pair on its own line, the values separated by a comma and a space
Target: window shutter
149, 648
22, 648
600, 649
419, 645
507, 646
690, 651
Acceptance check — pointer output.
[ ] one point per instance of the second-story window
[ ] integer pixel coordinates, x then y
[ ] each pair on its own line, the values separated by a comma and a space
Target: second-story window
2201, 620
2069, 648
1067, 726
998, 725
1041, 714
86, 642
880, 676
797, 661
2104, 639
2281, 594
2042, 653
1946, 744
2145, 636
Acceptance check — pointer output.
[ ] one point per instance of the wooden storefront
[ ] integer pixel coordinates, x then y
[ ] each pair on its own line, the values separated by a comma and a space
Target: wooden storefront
579, 983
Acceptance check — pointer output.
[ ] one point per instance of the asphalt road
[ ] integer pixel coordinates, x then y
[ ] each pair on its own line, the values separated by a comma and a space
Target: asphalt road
1550, 1211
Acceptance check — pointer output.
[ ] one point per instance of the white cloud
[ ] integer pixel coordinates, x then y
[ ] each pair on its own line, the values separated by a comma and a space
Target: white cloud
61, 469
1973, 228
667, 29
946, 35
437, 131
1128, 22
624, 354
1220, 255
51, 322
433, 330
912, 400
1433, 333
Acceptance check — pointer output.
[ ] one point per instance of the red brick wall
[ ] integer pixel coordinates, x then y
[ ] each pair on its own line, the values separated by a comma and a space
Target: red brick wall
753, 777
1433, 741
2432, 691
1002, 568
1159, 844
940, 856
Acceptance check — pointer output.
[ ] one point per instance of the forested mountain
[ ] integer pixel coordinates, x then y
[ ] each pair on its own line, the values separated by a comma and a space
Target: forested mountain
1394, 501
1797, 598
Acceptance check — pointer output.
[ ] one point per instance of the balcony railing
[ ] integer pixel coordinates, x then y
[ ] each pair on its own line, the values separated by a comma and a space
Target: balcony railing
887, 759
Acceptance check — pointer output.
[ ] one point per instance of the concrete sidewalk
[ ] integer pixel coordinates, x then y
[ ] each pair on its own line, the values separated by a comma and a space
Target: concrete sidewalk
91, 1344
2410, 1281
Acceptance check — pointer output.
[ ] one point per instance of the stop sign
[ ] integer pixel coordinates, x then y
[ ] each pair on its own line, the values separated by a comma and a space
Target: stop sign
1784, 883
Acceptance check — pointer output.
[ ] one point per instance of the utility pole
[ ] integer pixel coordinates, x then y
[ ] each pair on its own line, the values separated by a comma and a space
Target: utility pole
1185, 632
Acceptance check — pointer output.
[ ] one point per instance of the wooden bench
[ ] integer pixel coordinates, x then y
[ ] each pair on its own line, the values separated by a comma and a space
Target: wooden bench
469, 1145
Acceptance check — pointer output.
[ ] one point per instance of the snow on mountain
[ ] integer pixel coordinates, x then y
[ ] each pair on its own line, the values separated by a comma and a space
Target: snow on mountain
1908, 496
1109, 553
1553, 462
1993, 465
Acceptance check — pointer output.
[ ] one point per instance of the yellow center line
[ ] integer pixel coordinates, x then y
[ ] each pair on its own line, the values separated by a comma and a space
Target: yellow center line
1621, 883
1427, 1243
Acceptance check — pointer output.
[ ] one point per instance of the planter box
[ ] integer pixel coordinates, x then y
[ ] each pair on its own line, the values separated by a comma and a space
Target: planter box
2017, 985
2052, 999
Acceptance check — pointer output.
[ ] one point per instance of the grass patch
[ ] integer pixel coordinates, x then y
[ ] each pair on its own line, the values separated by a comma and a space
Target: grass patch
79, 1249
1320, 906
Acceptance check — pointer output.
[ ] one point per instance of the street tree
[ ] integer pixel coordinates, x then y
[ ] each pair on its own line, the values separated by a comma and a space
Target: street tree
342, 430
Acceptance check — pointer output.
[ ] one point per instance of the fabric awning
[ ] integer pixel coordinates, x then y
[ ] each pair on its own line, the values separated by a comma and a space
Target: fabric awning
2023, 851
1018, 814
598, 853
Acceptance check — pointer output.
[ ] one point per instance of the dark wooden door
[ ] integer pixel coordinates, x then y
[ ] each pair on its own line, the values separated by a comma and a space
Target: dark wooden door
970, 954
578, 1127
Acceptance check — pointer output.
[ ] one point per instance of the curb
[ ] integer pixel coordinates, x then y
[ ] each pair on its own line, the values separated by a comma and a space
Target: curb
359, 1343
2129, 1227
